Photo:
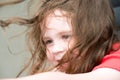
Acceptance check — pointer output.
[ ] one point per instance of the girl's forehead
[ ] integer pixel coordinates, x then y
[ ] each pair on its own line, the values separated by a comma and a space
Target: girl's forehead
55, 22
58, 12
57, 17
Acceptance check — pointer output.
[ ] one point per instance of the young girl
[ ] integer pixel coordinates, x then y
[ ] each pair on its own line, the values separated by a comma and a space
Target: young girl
73, 40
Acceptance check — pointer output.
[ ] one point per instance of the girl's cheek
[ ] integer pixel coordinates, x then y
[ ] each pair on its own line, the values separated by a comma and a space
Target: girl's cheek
49, 55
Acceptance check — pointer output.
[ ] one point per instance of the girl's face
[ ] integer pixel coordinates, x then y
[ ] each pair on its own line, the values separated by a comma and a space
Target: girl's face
58, 37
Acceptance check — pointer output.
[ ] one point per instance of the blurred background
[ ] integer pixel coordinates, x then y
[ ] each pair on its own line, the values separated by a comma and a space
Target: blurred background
13, 53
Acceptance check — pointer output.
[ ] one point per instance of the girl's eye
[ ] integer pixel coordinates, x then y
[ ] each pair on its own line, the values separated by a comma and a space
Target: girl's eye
66, 36
48, 42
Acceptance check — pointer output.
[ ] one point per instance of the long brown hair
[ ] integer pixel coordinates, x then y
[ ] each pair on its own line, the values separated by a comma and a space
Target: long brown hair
93, 26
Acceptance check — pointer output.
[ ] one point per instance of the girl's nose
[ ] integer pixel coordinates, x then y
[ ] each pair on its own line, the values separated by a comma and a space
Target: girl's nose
58, 48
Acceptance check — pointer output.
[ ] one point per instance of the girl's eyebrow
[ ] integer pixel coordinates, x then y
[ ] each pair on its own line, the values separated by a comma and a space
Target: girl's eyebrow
63, 32
46, 38
66, 32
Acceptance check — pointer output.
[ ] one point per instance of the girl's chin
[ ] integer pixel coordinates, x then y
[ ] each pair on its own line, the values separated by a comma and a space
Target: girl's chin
54, 63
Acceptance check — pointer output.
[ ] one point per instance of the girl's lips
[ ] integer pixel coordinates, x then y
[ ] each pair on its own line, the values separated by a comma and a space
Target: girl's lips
58, 60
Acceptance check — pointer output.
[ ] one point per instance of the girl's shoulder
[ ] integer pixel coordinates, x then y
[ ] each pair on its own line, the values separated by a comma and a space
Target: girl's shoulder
112, 60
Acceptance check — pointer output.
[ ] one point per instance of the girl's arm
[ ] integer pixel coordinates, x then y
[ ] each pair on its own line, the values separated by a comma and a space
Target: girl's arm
98, 74
111, 71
